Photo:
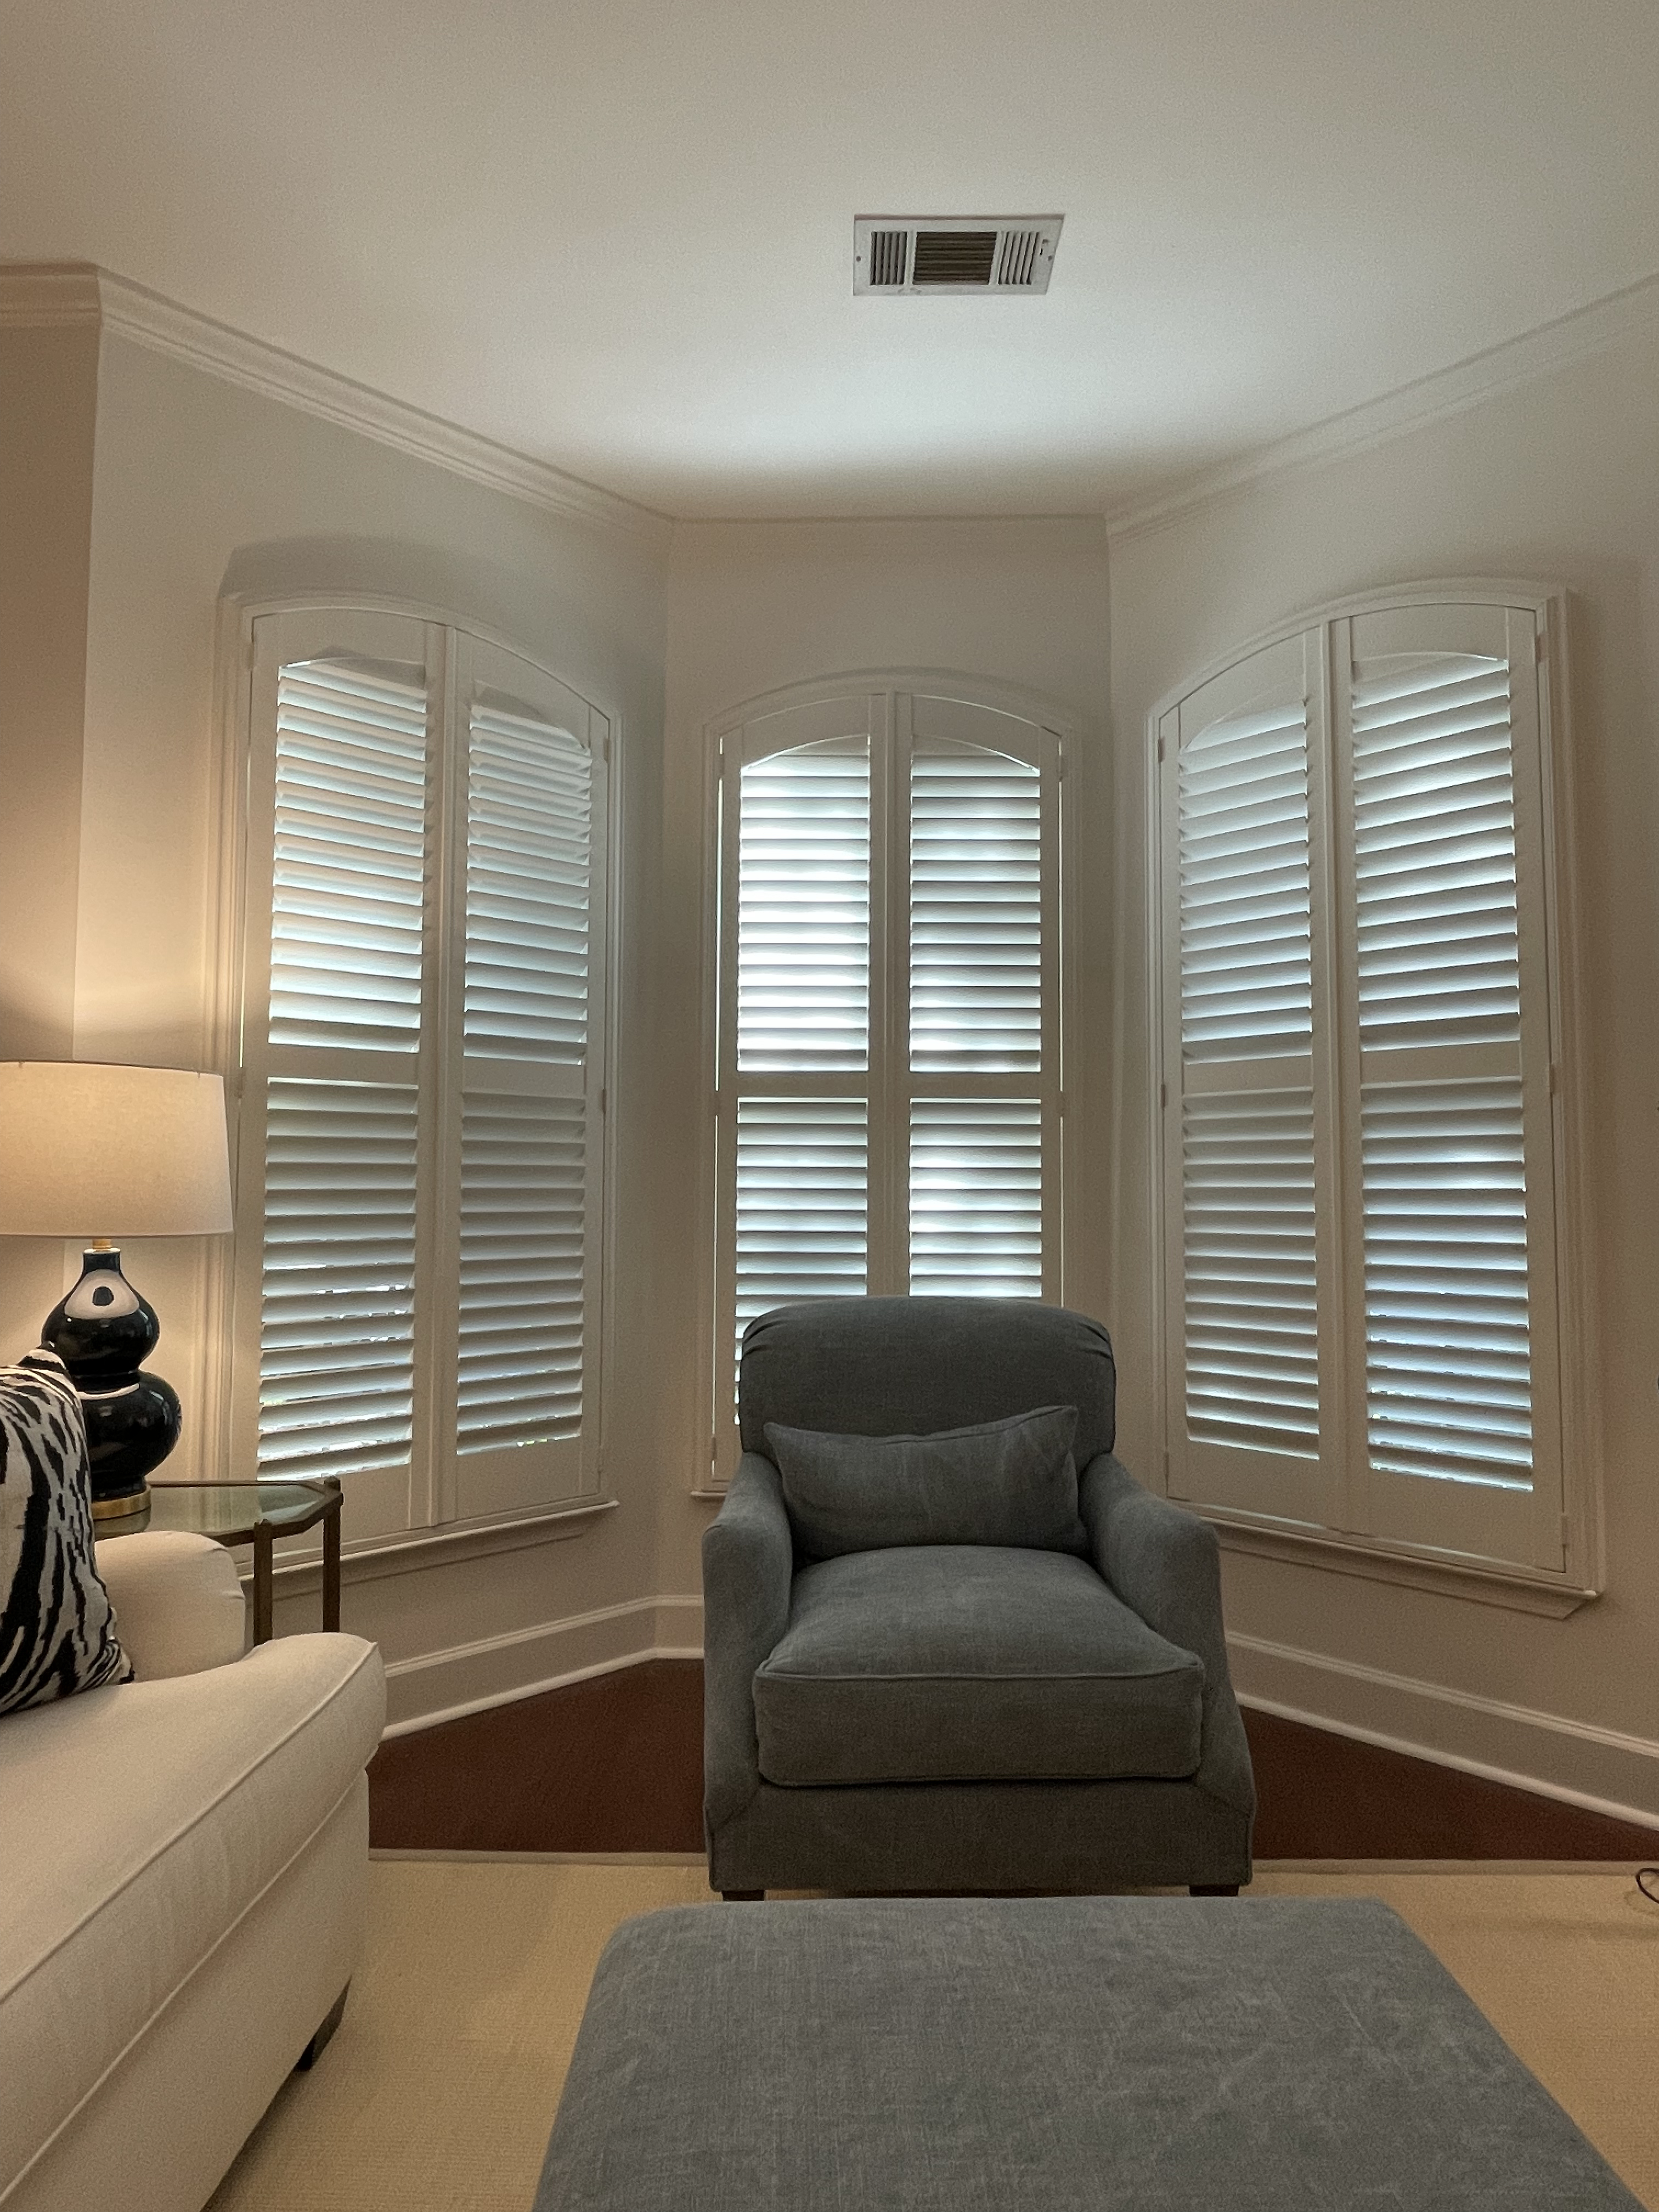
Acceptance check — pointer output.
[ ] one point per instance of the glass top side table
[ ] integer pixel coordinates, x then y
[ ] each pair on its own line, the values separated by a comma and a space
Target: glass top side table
254, 1513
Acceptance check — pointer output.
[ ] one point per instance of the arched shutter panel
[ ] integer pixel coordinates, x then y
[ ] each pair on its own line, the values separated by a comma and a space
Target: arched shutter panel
888, 1097
1357, 1116
1244, 1096
422, 1154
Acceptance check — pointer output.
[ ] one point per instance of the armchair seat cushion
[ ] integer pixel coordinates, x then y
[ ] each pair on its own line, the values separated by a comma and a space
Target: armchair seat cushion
971, 1664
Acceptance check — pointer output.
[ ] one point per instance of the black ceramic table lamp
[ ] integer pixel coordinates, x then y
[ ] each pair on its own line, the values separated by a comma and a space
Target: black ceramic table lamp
93, 1150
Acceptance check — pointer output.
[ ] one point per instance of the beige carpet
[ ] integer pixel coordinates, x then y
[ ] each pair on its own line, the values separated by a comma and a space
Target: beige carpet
438, 2091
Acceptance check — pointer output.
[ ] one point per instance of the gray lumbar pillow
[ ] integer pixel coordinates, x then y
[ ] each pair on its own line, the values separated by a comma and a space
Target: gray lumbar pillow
1004, 1482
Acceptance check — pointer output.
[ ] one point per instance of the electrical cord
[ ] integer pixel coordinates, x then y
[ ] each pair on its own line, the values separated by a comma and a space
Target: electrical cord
1647, 1881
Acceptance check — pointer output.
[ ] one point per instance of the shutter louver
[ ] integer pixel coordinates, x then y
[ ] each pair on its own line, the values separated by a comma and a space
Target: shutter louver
804, 911
1245, 905
348, 861
976, 969
976, 1198
1250, 1298
1448, 1355
1434, 846
1248, 1311
528, 875
523, 1224
336, 1326
1448, 1363
802, 1202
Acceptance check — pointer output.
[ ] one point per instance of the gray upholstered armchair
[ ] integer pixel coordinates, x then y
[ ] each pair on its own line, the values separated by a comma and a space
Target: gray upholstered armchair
961, 1718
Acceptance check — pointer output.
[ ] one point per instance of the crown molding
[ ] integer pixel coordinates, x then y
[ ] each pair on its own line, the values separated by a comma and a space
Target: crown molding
40, 293
1536, 353
37, 296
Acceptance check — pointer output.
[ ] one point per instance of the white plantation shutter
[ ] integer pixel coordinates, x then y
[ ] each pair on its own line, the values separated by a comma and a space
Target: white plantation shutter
1357, 1151
976, 1198
528, 1161
1447, 1365
975, 910
1250, 1282
980, 993
421, 1081
349, 857
1243, 1107
529, 886
794, 1078
1440, 816
524, 1175
887, 1109
803, 946
331, 1147
337, 1308
803, 1203
1434, 850
1245, 914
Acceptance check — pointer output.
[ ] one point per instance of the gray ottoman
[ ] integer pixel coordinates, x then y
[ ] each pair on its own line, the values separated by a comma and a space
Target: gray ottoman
1140, 2054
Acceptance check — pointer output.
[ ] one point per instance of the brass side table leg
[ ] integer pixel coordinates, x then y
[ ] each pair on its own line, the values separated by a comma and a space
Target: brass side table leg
263, 1535
331, 1569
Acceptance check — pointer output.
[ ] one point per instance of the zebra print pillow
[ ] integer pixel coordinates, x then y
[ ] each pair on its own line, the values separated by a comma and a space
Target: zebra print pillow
57, 1624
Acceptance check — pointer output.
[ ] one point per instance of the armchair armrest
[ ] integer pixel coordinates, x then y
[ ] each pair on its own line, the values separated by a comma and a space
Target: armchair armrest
1166, 1564
748, 1565
178, 1600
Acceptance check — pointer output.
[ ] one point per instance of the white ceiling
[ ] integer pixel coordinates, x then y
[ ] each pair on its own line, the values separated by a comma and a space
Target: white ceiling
616, 235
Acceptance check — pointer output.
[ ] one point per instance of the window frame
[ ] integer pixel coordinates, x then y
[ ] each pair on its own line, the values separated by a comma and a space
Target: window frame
886, 695
1253, 1527
454, 642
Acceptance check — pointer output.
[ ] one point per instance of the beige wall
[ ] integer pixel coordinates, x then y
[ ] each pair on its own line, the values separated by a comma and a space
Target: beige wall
117, 550
201, 487
48, 410
755, 606
1557, 480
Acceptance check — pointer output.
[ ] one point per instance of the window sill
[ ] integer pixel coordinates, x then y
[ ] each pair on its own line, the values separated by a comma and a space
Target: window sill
1509, 1587
373, 1558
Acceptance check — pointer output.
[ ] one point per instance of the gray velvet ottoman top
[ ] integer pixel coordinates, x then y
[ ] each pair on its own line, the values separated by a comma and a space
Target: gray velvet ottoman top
1150, 2054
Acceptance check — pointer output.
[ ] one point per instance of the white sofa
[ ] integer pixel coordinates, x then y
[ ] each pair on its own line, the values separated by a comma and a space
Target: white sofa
183, 1878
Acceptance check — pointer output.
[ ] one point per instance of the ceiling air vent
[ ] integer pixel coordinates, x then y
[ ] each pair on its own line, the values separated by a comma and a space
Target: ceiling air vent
954, 253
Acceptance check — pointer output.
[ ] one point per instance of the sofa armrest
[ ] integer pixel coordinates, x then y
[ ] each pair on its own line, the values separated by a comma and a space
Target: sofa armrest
748, 1566
1166, 1564
178, 1600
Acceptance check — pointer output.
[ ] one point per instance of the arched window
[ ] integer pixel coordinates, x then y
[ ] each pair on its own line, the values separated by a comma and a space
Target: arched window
423, 1021
1357, 998
887, 1089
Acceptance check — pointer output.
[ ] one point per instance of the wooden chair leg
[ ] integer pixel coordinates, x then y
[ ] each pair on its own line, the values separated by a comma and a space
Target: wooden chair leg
1212, 1889
313, 2050
743, 1896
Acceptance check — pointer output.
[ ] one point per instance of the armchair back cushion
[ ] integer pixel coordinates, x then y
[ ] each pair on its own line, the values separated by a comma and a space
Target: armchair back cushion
1010, 1483
886, 1367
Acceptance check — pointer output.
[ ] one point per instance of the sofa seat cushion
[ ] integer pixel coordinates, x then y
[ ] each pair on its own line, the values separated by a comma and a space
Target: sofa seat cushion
138, 1823
971, 1664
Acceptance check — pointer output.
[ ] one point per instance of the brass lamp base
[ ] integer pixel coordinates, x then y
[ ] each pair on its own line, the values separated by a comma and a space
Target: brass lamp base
134, 1506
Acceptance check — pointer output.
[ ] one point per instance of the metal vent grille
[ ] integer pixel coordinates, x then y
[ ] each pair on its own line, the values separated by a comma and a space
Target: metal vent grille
954, 253
889, 258
1016, 262
955, 256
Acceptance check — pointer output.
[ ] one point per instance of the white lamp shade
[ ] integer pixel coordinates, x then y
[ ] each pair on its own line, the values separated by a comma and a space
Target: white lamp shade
87, 1150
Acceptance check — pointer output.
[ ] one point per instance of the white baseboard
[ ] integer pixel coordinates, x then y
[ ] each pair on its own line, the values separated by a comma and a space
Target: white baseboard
1596, 1768
445, 1685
